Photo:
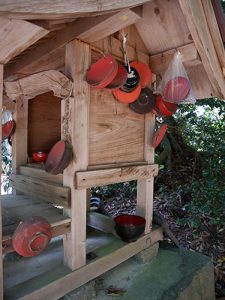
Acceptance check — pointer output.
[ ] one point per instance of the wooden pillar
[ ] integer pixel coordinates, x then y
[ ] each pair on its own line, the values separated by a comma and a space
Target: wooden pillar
1, 265
77, 61
20, 139
145, 186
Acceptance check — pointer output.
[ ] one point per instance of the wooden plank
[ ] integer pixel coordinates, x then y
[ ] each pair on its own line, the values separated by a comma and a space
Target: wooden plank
214, 30
217, 5
114, 46
44, 123
16, 36
145, 186
47, 191
58, 228
159, 62
1, 262
63, 9
197, 23
111, 25
110, 176
39, 83
41, 174
116, 134
78, 56
100, 222
163, 26
19, 143
114, 255
201, 86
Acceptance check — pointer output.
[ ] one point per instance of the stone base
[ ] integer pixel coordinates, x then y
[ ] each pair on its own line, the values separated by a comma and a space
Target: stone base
147, 254
174, 274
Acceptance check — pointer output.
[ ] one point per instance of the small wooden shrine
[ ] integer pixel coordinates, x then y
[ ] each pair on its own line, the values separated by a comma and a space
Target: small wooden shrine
45, 51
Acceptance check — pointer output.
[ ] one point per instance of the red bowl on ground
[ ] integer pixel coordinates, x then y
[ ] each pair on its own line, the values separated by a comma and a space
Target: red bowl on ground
129, 227
39, 156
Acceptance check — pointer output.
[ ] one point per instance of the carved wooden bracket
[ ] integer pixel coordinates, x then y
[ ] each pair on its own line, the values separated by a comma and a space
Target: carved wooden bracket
39, 83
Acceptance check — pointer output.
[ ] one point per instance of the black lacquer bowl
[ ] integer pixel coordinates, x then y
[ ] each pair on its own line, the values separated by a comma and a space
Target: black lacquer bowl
129, 227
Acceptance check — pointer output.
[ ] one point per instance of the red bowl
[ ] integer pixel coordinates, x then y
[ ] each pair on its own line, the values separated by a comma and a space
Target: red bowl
165, 108
129, 227
177, 89
39, 156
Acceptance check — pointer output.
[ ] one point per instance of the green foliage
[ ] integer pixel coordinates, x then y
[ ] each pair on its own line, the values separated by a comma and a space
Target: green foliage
203, 128
6, 165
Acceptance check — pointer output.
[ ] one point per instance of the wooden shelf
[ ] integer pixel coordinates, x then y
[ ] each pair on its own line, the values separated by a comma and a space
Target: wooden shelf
17, 208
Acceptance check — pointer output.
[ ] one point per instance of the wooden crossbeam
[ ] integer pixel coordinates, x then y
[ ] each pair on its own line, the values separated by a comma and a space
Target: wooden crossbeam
89, 179
87, 29
44, 9
197, 22
16, 36
160, 62
39, 83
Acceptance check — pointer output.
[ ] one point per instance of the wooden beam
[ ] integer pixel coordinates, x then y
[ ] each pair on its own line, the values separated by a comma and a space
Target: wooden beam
217, 6
39, 83
1, 261
159, 62
214, 30
75, 121
113, 256
45, 190
145, 186
110, 176
62, 9
111, 25
16, 36
198, 26
88, 29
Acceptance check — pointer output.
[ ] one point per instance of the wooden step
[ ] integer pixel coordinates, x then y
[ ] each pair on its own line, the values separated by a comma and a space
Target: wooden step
43, 189
17, 208
38, 171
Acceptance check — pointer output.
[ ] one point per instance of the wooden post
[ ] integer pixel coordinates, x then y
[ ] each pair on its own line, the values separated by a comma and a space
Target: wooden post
19, 146
145, 186
1, 265
78, 56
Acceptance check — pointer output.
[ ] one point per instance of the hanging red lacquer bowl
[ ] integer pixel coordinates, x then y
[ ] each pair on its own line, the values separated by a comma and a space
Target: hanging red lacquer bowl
125, 97
145, 102
164, 108
177, 89
8, 129
101, 73
32, 236
144, 72
120, 79
159, 135
58, 158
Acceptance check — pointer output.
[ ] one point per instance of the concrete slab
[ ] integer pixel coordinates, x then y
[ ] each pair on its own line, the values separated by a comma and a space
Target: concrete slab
175, 274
